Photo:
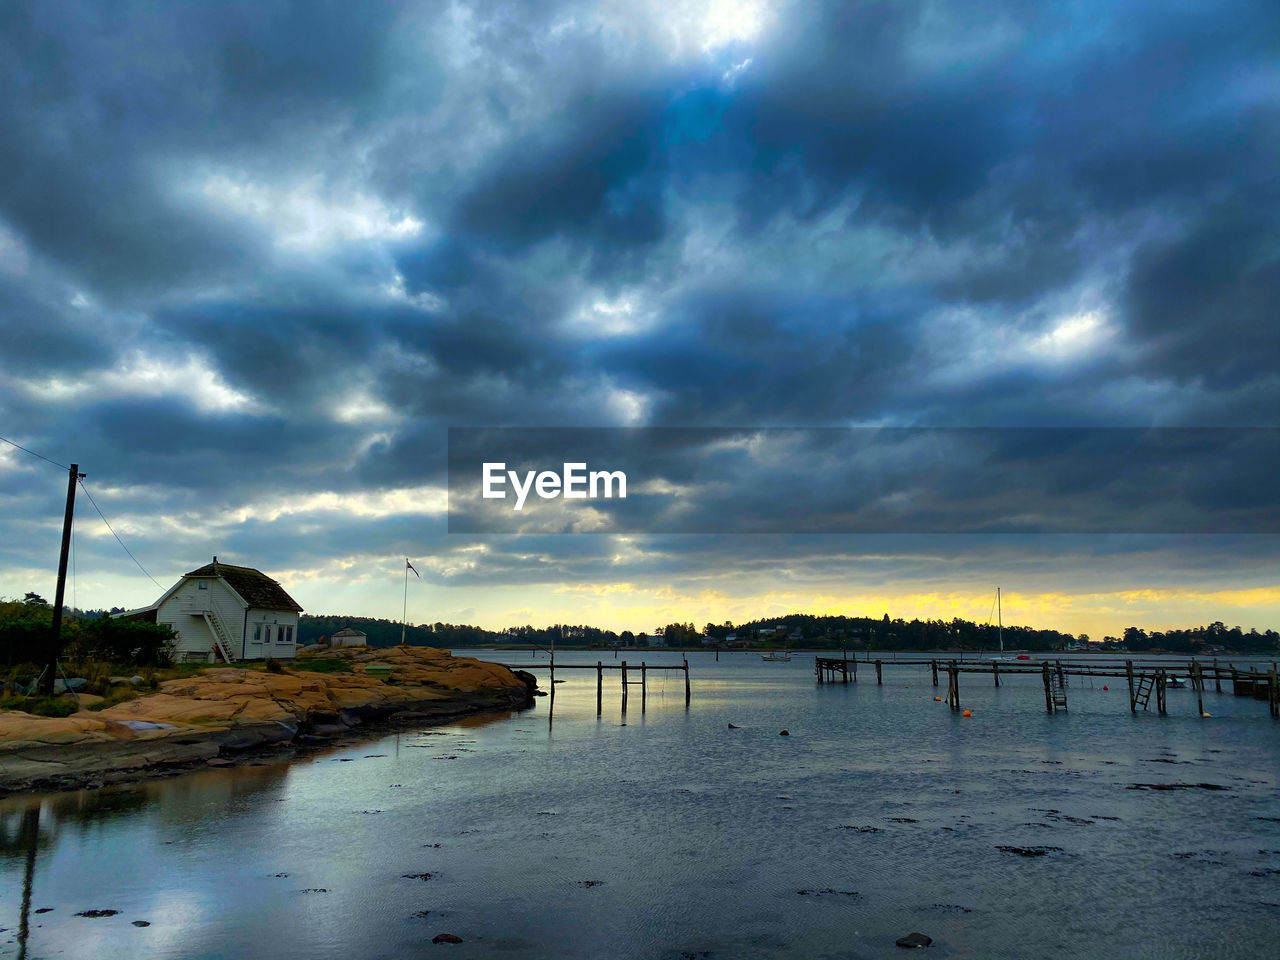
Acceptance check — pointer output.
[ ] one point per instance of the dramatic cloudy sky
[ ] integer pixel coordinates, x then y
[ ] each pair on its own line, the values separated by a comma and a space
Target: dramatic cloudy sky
256, 258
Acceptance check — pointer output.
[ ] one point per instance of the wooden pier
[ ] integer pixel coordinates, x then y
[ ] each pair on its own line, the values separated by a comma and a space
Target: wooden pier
627, 672
1144, 679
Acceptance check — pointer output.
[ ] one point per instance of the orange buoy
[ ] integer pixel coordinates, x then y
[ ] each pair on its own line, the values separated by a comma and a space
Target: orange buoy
968, 714
1104, 686
938, 699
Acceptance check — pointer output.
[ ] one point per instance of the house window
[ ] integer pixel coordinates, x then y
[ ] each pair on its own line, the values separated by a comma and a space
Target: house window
286, 635
257, 633
202, 585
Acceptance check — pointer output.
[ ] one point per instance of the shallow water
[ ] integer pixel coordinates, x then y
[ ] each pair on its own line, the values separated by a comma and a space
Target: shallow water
560, 834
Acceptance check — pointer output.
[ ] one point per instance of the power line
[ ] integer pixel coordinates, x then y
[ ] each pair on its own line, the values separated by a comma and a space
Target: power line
116, 535
123, 546
34, 454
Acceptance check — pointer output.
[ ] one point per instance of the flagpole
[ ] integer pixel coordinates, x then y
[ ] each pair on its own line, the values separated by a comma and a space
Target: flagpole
404, 614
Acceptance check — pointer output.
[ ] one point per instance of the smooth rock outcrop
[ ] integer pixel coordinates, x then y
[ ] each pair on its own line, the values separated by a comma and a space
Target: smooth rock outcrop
229, 710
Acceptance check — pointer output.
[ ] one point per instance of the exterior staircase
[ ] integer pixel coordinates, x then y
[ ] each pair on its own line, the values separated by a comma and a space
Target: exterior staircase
221, 642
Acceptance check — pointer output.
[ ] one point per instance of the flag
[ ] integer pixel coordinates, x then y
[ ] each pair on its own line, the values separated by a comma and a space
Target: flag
410, 567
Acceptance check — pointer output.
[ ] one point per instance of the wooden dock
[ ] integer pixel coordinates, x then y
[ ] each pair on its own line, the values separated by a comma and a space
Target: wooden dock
1144, 679
627, 672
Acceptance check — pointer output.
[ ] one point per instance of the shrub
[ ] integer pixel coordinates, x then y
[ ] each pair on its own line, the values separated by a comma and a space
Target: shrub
273, 666
130, 642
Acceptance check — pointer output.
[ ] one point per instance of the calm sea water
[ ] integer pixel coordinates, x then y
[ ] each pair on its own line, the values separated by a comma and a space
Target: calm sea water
551, 833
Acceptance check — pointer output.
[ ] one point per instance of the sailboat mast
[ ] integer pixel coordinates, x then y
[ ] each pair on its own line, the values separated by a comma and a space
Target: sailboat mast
999, 620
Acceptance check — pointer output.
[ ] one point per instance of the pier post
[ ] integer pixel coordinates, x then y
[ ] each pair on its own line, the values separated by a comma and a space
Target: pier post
935, 672
599, 687
1048, 692
878, 677
1133, 696
855, 669
953, 685
686, 682
1273, 693
1217, 677
1160, 688
624, 688
1197, 680
644, 685
995, 671
844, 658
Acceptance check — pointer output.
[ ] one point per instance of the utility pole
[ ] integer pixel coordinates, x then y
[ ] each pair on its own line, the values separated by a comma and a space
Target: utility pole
55, 639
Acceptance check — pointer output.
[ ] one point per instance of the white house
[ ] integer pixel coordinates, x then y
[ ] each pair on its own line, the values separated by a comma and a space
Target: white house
222, 613
348, 637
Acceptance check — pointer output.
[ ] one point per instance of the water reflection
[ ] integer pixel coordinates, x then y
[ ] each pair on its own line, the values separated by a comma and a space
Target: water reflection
24, 843
678, 833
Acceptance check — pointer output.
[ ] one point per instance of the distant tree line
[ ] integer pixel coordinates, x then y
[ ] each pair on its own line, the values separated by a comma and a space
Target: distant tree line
808, 631
1188, 641
94, 635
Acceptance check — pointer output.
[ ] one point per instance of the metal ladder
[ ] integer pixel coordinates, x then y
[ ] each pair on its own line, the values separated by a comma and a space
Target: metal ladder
1058, 685
1142, 695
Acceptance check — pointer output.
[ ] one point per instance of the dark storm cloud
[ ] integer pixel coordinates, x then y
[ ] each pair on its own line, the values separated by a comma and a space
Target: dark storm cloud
373, 222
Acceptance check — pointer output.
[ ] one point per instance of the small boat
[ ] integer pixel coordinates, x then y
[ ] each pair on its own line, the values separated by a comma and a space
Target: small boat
1176, 682
1024, 656
776, 656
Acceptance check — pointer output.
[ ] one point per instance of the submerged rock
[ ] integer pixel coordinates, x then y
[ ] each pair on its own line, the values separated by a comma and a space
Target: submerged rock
1030, 851
914, 940
1177, 786
97, 913
142, 923
446, 938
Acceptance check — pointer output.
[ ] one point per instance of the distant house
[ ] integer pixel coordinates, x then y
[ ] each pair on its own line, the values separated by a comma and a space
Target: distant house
223, 613
349, 637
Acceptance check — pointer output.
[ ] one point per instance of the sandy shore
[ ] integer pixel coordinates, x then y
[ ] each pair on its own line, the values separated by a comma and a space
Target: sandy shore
228, 715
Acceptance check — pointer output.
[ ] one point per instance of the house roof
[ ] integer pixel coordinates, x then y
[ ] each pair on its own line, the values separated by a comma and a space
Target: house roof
350, 632
256, 587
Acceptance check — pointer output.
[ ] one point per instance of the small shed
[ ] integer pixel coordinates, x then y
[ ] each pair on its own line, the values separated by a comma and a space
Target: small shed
349, 637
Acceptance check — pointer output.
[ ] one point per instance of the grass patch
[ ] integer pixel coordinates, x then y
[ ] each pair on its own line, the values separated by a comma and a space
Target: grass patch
323, 665
41, 706
114, 696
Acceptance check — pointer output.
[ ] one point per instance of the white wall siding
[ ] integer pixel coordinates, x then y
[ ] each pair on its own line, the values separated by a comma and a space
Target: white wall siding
184, 610
271, 621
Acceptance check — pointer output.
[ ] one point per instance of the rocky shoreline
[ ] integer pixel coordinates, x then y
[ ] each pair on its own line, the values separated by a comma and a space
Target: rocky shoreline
230, 716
